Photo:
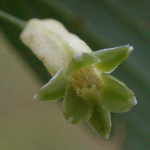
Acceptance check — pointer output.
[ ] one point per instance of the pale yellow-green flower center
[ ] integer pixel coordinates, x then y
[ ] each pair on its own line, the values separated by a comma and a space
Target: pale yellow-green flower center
86, 78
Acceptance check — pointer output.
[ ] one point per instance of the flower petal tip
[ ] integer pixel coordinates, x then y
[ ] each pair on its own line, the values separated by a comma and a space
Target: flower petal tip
131, 48
135, 102
36, 97
70, 120
107, 136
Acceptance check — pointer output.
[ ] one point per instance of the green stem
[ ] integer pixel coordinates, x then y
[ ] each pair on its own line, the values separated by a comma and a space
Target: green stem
11, 19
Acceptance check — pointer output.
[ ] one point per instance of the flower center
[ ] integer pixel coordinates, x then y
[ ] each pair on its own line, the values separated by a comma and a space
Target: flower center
86, 78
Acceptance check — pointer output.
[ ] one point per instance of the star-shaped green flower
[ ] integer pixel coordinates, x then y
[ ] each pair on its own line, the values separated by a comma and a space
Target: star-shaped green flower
80, 76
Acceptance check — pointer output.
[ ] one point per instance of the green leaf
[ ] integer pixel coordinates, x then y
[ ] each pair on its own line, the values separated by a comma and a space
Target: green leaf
76, 109
100, 121
110, 58
115, 96
80, 60
54, 89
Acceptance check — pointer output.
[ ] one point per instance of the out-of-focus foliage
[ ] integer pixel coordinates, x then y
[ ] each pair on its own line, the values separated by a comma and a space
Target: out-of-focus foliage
102, 24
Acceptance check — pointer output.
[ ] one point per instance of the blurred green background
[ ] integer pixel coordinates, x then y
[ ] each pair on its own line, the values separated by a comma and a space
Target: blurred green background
26, 124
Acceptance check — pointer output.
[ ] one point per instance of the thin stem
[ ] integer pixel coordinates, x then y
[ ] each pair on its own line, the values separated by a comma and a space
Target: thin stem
11, 19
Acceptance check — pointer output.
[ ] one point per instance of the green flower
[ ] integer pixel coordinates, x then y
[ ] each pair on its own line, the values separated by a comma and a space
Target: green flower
80, 76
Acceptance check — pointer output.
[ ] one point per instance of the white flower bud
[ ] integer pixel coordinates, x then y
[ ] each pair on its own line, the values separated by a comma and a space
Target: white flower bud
50, 41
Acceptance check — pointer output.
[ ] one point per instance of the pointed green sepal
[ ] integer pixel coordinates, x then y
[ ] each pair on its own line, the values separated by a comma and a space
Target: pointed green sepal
100, 121
112, 57
80, 60
76, 109
115, 96
54, 89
